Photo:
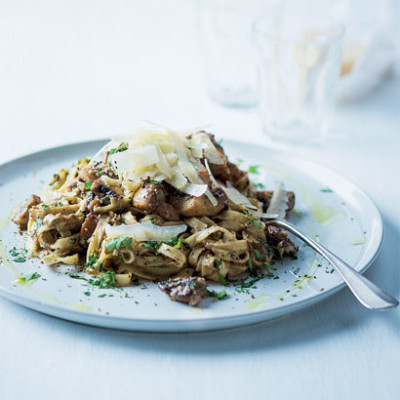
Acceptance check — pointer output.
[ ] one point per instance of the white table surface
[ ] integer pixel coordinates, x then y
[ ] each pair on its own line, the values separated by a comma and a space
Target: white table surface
77, 70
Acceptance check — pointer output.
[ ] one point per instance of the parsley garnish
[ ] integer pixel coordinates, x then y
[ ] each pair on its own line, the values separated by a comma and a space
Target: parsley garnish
105, 281
123, 147
45, 206
155, 182
30, 277
259, 254
219, 295
16, 256
250, 264
88, 185
243, 285
327, 190
253, 169
221, 278
256, 223
76, 276
268, 268
92, 261
115, 244
155, 244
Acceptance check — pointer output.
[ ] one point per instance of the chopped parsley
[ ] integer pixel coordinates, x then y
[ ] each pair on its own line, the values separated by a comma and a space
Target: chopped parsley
253, 169
219, 295
250, 264
87, 293
88, 185
243, 285
30, 277
259, 254
326, 190
76, 276
16, 255
115, 244
45, 206
221, 278
123, 147
256, 223
105, 281
92, 262
258, 184
268, 268
155, 182
155, 244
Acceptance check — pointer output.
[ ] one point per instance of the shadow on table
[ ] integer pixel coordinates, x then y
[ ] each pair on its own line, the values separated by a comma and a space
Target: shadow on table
331, 317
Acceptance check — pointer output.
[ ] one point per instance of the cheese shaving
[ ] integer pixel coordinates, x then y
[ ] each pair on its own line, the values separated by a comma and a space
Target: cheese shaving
172, 156
145, 231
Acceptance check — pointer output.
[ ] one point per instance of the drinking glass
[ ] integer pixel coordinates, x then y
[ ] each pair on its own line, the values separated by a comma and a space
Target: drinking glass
227, 51
299, 63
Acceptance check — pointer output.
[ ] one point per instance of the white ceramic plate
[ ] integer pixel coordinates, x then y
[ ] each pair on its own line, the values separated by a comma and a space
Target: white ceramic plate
328, 207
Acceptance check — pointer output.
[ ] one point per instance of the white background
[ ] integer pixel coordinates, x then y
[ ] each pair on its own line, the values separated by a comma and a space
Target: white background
75, 70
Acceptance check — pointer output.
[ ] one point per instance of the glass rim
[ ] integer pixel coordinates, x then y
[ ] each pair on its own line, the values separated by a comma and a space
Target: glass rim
336, 31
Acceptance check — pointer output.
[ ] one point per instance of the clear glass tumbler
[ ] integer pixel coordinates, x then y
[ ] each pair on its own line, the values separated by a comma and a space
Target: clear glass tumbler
300, 60
227, 51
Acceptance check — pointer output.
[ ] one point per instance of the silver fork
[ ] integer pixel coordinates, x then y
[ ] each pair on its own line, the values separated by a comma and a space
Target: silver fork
366, 292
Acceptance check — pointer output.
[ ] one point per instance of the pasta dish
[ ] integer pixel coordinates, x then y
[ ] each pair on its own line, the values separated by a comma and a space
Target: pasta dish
157, 205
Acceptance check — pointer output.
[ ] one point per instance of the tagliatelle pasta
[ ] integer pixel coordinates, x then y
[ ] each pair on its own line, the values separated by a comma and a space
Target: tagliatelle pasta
154, 205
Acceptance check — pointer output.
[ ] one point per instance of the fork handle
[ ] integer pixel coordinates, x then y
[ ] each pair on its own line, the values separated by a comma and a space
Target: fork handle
367, 293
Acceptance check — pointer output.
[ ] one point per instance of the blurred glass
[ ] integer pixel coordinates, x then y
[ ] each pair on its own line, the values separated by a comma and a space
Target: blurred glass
369, 50
300, 59
227, 50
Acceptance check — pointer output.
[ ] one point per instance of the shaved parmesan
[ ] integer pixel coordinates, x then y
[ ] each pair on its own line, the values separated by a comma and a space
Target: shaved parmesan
135, 159
145, 231
214, 156
194, 190
277, 204
212, 198
238, 198
213, 180
264, 215
173, 157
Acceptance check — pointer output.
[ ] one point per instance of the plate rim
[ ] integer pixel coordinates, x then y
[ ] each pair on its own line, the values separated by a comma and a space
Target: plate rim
190, 324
